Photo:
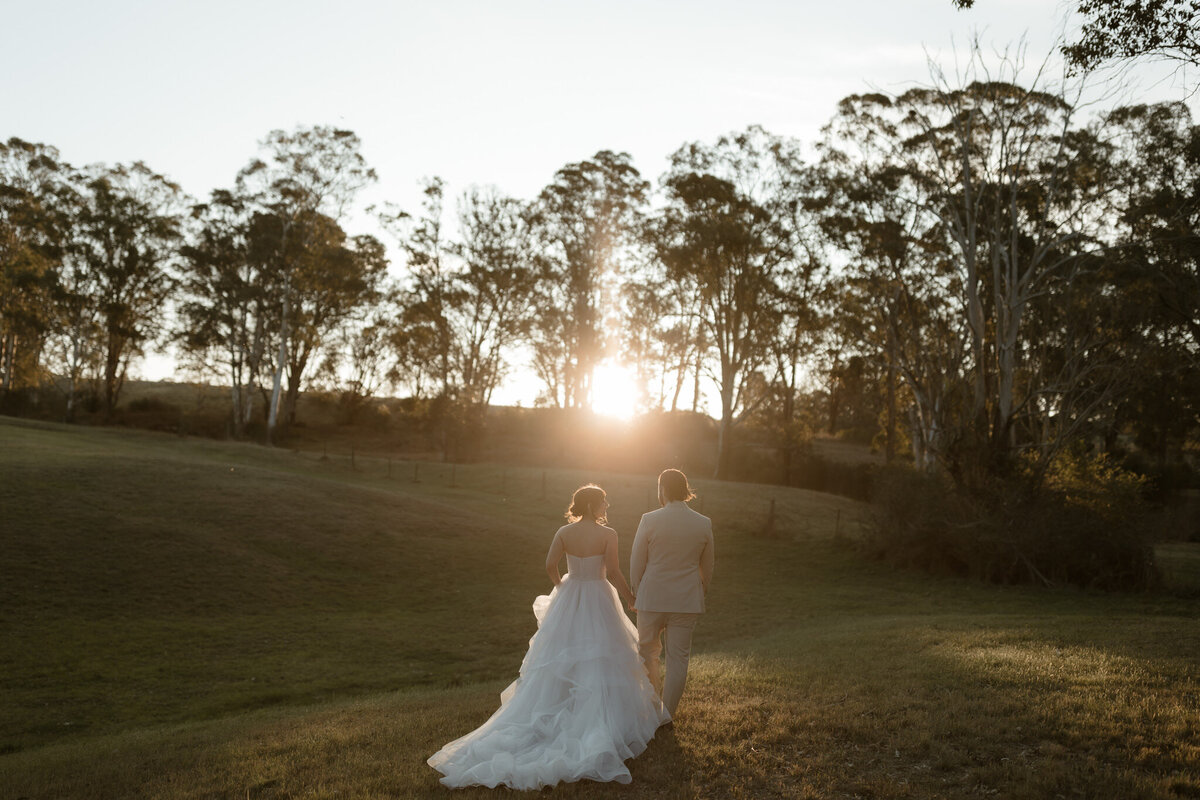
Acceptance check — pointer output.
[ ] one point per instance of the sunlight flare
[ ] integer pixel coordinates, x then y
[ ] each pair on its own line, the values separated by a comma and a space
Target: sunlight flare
615, 391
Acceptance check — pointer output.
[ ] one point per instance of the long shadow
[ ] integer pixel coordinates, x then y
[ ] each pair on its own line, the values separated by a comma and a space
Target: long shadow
1055, 707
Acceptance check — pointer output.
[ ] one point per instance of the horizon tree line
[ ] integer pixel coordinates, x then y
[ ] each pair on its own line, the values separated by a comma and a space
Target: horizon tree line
975, 272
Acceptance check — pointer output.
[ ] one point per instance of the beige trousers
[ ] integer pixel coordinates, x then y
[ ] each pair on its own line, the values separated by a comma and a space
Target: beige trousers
651, 625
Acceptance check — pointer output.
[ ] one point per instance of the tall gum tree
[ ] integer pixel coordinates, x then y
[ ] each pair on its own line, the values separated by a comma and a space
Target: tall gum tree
35, 192
222, 307
497, 276
726, 229
1015, 184
308, 172
588, 219
127, 235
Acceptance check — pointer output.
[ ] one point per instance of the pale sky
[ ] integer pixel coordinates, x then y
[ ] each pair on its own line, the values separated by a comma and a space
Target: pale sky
501, 92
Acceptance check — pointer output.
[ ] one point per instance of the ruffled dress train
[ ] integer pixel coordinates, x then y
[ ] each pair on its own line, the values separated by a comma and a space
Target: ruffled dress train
581, 706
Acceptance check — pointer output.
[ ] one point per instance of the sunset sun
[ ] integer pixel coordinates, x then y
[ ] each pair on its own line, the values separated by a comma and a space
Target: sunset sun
615, 391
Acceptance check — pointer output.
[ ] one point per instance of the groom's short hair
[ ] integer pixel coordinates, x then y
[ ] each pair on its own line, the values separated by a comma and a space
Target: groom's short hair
674, 485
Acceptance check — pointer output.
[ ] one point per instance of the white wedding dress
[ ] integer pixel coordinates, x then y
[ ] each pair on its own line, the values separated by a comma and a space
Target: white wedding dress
582, 704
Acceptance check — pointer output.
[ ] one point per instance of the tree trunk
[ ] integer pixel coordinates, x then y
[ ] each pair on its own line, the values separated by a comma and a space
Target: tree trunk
112, 362
789, 411
293, 394
889, 452
726, 428
70, 413
8, 346
723, 455
680, 377
281, 361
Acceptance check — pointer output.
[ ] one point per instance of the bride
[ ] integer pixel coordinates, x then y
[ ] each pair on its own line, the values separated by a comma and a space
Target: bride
583, 702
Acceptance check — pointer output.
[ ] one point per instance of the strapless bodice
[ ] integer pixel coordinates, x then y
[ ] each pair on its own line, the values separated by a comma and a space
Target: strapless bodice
586, 568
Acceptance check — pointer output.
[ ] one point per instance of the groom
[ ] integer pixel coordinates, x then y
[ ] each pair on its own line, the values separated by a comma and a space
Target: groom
671, 565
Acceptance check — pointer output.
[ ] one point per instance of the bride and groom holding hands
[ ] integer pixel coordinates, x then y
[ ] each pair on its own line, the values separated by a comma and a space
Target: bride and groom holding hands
591, 692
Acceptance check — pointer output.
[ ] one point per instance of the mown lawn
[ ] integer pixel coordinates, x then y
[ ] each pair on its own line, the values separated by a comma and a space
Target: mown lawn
185, 618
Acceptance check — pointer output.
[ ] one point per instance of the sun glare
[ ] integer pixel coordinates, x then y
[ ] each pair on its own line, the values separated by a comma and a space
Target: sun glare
614, 391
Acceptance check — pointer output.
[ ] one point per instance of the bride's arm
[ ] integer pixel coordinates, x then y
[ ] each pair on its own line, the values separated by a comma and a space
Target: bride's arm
553, 557
612, 563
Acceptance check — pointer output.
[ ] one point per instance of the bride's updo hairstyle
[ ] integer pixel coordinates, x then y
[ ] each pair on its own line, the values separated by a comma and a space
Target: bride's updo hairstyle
674, 485
583, 501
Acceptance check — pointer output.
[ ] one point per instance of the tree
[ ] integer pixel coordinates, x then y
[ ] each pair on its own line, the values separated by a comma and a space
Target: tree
588, 220
894, 299
802, 294
726, 226
465, 303
660, 339
1004, 174
425, 327
360, 359
1155, 260
1115, 30
334, 278
307, 173
34, 188
127, 238
225, 298
492, 290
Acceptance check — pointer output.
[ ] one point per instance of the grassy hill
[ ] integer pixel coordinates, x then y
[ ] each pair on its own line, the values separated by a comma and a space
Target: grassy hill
187, 618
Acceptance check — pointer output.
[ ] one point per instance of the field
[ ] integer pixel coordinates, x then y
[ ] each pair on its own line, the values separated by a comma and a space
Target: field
185, 618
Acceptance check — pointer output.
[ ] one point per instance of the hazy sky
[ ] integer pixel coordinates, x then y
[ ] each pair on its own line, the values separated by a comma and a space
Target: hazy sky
501, 92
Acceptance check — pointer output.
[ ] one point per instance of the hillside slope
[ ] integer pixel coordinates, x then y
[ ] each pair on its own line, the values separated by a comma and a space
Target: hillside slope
186, 618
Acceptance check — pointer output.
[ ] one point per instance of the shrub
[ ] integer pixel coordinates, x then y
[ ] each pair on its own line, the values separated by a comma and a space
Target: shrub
811, 471
1084, 528
151, 413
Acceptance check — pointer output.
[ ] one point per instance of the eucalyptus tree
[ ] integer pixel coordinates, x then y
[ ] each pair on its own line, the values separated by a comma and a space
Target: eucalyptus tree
304, 174
74, 338
497, 252
726, 229
335, 277
127, 236
35, 187
803, 296
360, 359
425, 336
465, 303
1157, 162
899, 288
225, 306
1157, 264
1016, 188
76, 341
658, 340
1122, 30
589, 220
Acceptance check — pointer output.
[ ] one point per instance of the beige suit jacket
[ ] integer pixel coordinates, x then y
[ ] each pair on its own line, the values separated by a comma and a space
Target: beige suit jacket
672, 560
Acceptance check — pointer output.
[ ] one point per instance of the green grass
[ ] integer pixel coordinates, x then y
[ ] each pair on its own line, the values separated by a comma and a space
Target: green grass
186, 618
